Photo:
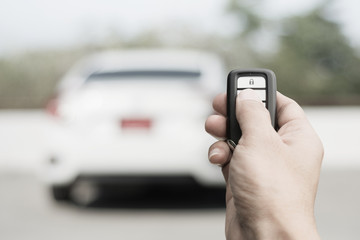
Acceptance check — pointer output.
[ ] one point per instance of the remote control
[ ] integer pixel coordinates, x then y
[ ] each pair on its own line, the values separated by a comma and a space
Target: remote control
263, 81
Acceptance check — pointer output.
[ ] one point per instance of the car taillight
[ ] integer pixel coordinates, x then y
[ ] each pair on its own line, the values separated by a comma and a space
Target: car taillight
133, 123
52, 107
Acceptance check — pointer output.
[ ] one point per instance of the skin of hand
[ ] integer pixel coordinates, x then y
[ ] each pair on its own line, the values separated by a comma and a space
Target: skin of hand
271, 176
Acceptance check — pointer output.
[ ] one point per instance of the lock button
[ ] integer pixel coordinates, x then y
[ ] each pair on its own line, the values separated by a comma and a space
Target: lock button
251, 82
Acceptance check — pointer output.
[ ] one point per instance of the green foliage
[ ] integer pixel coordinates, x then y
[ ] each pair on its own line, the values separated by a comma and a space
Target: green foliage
315, 61
248, 19
28, 80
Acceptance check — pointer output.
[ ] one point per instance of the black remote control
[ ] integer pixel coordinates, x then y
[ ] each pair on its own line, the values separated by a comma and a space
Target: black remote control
263, 81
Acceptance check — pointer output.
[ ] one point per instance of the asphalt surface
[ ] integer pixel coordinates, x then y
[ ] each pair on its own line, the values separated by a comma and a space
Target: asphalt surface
28, 213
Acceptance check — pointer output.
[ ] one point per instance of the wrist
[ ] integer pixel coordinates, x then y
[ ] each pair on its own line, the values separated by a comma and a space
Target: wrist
284, 227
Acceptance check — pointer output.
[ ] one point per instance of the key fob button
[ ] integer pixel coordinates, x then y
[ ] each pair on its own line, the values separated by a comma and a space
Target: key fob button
251, 82
261, 94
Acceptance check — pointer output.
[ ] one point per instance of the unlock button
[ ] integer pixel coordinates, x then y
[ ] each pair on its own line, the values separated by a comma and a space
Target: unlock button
260, 93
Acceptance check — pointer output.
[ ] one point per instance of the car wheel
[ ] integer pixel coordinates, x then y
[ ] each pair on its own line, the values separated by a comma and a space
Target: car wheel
84, 193
60, 193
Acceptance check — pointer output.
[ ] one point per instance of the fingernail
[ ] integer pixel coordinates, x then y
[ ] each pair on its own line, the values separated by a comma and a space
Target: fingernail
248, 94
214, 152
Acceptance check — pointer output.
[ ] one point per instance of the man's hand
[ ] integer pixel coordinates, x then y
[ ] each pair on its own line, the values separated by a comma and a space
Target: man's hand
272, 177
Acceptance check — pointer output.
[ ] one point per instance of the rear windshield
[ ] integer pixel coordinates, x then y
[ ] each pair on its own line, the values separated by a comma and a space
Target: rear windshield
146, 74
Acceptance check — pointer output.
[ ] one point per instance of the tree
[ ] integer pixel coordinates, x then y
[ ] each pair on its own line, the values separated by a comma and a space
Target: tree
316, 61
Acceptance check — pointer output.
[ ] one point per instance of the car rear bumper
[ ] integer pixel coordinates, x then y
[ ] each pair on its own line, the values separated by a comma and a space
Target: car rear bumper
131, 156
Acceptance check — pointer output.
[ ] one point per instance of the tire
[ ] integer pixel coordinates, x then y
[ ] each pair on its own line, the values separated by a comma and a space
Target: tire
60, 193
84, 193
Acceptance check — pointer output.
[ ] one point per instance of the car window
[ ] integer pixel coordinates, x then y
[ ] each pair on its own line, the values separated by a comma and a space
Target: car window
144, 74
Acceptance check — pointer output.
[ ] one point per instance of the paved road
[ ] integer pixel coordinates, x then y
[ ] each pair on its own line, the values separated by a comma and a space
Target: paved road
27, 213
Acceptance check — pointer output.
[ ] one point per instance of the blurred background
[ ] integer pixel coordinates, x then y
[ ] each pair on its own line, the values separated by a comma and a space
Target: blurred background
312, 46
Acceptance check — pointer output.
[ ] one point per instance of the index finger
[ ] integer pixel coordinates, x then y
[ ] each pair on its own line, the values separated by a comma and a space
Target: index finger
288, 110
219, 104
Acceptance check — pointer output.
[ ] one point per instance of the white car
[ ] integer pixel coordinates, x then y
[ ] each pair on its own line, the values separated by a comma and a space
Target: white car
135, 115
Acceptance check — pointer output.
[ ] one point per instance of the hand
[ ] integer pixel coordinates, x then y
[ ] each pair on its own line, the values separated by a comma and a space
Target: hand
272, 177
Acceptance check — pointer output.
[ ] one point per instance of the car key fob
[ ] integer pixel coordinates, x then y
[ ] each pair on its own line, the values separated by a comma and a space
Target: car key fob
263, 82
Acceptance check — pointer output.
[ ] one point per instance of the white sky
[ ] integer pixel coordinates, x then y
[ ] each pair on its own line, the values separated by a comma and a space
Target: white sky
29, 24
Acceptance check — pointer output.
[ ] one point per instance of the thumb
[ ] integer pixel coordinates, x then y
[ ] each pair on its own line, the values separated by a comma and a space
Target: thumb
253, 117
